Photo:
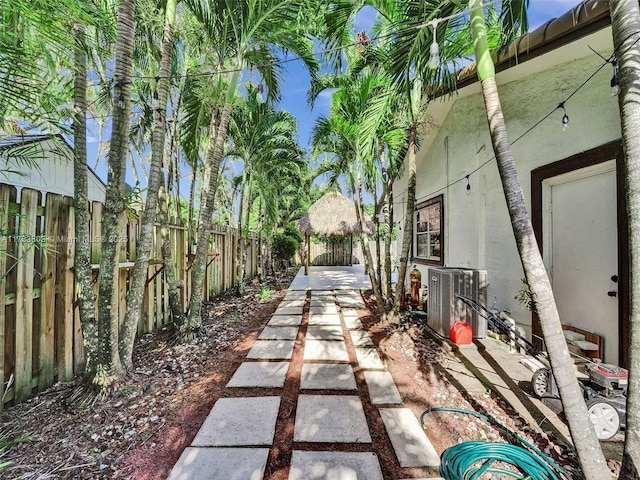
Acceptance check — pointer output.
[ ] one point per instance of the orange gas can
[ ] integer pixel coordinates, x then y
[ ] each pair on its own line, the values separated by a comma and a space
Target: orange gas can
461, 333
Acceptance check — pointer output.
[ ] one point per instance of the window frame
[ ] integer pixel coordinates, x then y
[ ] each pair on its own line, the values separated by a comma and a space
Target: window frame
420, 206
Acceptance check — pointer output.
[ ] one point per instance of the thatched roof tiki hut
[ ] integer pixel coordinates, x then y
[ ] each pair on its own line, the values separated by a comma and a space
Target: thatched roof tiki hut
334, 215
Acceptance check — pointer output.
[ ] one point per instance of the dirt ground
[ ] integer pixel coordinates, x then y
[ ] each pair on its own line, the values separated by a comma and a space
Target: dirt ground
140, 432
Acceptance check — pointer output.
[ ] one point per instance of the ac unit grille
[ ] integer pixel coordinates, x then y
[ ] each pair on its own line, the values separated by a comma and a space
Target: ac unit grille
444, 309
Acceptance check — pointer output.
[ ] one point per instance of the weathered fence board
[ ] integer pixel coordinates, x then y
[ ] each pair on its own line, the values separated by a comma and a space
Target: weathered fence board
48, 295
40, 331
4, 230
24, 294
65, 285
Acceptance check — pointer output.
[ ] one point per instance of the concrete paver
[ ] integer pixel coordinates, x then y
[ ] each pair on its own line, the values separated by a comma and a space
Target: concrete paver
285, 321
353, 323
334, 466
325, 332
368, 359
278, 333
330, 418
288, 311
324, 319
322, 302
328, 308
295, 295
322, 293
350, 303
272, 350
292, 303
260, 374
327, 376
382, 388
348, 312
409, 441
239, 421
361, 338
328, 350
220, 464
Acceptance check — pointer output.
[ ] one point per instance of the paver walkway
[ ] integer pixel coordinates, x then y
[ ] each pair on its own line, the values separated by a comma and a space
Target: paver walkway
322, 326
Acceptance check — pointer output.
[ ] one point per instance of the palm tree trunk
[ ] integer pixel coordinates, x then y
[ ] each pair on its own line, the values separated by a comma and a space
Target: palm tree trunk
386, 201
245, 233
369, 265
164, 195
148, 219
170, 276
582, 432
625, 23
388, 233
82, 258
242, 229
217, 136
407, 234
108, 368
376, 229
192, 200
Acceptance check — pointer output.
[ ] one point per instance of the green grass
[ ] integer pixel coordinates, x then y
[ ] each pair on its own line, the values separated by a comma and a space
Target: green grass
5, 443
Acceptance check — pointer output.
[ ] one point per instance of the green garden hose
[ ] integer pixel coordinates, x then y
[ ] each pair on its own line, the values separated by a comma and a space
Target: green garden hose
469, 460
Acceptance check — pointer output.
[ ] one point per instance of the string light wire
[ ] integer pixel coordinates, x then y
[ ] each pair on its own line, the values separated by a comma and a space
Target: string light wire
561, 105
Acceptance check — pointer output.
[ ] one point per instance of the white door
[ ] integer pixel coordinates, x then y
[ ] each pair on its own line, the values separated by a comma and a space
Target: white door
581, 213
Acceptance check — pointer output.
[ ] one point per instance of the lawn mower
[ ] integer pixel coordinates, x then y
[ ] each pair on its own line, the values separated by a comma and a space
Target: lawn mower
604, 391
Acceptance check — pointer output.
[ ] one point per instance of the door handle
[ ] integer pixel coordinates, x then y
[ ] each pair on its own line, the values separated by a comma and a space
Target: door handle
612, 293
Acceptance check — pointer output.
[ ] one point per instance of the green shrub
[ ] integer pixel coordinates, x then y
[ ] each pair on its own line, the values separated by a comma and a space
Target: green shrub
292, 231
283, 247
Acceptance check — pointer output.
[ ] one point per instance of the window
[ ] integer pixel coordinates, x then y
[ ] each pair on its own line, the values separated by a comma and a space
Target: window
428, 242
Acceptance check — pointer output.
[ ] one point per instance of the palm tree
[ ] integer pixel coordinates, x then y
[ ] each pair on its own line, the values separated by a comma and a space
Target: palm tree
264, 139
108, 367
341, 136
625, 24
407, 24
582, 431
243, 34
148, 216
82, 253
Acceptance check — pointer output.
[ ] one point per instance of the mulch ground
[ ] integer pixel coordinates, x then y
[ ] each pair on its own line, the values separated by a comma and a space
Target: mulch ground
141, 431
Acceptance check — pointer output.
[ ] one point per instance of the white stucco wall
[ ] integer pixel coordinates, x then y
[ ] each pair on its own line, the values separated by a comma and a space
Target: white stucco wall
477, 227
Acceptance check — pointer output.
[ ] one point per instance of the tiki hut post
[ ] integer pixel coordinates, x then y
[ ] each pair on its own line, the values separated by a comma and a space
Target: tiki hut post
307, 238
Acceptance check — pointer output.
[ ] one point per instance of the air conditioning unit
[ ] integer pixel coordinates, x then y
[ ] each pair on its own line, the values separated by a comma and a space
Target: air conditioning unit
444, 309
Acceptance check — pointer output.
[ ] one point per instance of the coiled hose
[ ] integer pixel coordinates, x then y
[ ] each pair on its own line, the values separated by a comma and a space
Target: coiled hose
469, 460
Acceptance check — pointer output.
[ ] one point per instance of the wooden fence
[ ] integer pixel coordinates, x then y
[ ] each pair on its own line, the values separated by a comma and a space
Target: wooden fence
337, 252
40, 335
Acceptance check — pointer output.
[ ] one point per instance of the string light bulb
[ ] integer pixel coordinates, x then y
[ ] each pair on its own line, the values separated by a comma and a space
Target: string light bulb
468, 186
434, 51
565, 118
615, 79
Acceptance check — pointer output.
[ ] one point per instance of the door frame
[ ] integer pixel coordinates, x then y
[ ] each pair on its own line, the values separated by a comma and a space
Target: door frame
595, 156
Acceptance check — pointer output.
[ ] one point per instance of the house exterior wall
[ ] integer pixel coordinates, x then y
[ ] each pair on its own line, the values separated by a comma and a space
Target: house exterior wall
477, 228
54, 174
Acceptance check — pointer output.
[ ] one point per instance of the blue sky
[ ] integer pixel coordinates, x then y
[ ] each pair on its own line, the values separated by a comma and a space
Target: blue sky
296, 81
